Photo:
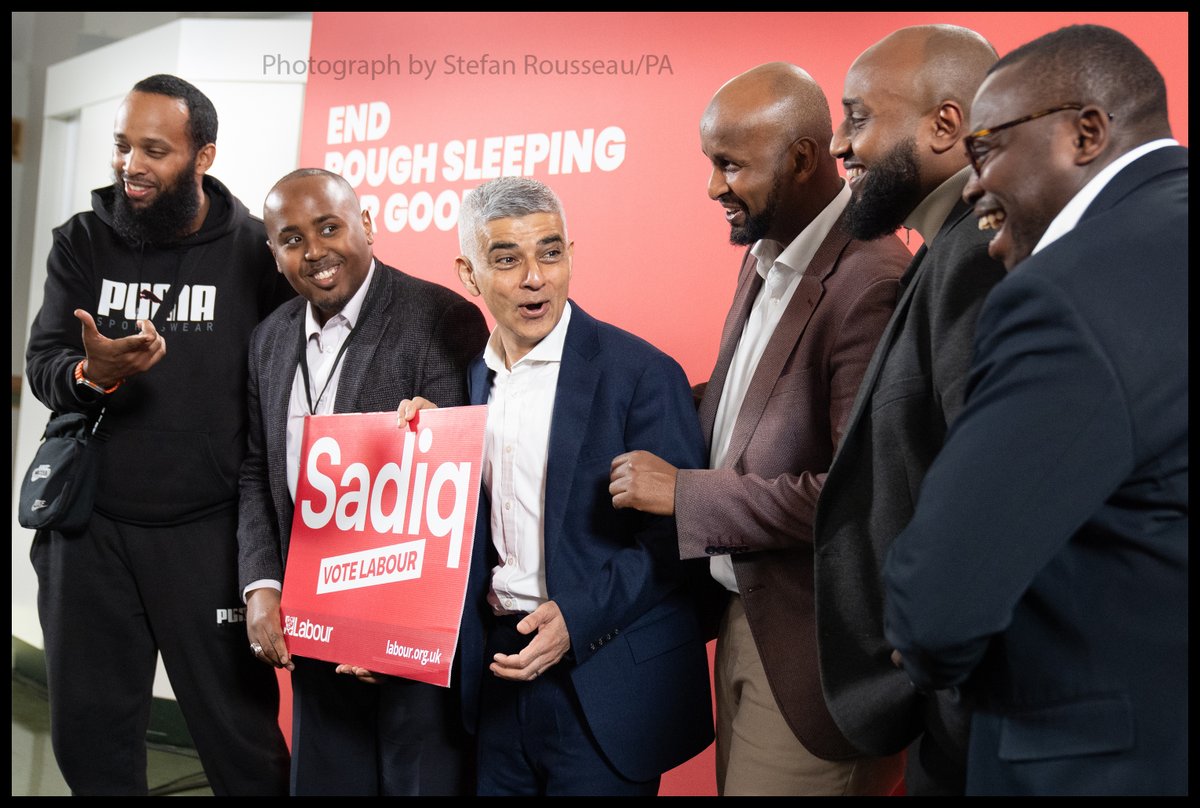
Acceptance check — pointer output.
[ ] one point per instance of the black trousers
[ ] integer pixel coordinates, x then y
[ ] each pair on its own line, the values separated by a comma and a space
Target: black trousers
395, 738
110, 599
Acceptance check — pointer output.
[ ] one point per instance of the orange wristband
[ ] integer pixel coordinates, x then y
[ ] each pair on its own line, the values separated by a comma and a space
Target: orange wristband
80, 378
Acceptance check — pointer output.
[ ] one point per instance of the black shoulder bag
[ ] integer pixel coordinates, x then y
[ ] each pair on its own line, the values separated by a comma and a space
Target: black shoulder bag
59, 489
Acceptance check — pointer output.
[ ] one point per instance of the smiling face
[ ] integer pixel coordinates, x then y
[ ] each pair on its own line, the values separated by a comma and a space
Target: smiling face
1026, 173
522, 268
877, 143
151, 148
320, 239
749, 172
157, 170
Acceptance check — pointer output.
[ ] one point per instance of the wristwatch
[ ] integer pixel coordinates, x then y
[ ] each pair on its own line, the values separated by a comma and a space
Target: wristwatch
82, 380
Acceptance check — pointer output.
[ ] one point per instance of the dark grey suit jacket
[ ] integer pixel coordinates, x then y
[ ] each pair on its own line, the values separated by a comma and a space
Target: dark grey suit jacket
413, 338
912, 391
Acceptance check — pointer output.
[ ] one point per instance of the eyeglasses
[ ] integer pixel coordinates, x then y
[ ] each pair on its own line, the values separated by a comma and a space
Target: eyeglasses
976, 152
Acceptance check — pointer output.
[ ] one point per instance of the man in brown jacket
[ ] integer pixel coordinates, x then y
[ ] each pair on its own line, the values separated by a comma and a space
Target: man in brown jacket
810, 305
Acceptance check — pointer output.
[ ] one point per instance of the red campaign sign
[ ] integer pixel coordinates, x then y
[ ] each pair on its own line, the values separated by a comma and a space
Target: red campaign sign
381, 541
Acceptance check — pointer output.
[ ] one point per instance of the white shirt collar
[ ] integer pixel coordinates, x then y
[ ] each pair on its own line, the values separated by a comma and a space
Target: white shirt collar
796, 255
1073, 211
550, 349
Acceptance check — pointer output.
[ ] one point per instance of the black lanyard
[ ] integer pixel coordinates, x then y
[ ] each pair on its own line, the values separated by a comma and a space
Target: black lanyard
304, 364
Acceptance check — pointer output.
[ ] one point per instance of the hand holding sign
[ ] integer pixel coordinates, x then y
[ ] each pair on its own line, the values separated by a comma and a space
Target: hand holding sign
264, 627
382, 538
364, 675
406, 413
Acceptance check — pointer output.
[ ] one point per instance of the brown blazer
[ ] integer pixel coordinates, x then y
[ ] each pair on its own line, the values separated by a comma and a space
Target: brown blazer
759, 505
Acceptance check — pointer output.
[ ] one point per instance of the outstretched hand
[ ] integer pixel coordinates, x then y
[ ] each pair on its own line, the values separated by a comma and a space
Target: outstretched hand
110, 361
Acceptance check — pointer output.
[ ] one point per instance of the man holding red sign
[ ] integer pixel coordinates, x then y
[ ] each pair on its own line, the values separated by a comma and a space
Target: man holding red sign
361, 337
583, 665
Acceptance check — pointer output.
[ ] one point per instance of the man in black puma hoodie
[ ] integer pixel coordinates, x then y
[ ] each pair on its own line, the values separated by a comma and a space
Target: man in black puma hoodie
168, 257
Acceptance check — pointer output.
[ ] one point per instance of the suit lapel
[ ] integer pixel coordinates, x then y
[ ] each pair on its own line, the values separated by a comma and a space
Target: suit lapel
283, 361
908, 284
784, 340
479, 381
910, 272
479, 387
749, 282
366, 338
578, 378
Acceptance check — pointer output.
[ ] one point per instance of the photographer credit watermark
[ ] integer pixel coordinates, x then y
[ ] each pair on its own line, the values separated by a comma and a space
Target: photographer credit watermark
275, 64
452, 64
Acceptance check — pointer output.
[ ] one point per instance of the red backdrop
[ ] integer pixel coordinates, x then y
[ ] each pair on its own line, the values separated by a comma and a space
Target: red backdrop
415, 108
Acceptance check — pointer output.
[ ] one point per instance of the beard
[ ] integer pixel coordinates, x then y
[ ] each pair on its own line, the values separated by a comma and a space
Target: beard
757, 224
889, 192
166, 219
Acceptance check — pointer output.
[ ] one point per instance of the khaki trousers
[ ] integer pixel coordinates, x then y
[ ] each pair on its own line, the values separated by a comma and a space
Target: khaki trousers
757, 752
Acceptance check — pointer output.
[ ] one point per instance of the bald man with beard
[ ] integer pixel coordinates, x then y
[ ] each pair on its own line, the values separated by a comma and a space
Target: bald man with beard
906, 102
809, 306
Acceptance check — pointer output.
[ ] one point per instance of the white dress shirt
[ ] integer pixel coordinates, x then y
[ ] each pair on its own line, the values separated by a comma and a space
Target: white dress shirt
321, 349
517, 443
781, 271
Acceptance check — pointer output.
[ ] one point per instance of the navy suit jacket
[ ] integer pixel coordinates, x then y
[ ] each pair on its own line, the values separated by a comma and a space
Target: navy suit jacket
638, 660
1047, 564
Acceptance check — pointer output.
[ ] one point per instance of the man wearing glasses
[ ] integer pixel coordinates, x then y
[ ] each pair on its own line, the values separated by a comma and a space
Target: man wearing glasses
1046, 567
906, 101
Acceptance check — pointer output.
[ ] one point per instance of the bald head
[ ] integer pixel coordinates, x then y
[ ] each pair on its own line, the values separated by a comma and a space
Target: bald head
334, 187
906, 104
766, 132
776, 96
929, 64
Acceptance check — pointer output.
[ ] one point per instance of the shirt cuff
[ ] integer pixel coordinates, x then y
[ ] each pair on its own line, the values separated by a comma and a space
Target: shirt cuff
262, 583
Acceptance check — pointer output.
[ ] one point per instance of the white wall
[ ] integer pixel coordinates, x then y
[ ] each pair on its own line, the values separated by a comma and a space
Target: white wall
258, 141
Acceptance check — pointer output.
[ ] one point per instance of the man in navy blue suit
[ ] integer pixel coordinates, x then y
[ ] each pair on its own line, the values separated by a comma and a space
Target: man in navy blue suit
582, 664
1046, 568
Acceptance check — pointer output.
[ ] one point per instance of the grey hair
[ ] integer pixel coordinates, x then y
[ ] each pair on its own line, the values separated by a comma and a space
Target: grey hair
503, 198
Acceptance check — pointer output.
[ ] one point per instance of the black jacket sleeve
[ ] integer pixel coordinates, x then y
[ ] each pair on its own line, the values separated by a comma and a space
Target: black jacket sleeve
56, 337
